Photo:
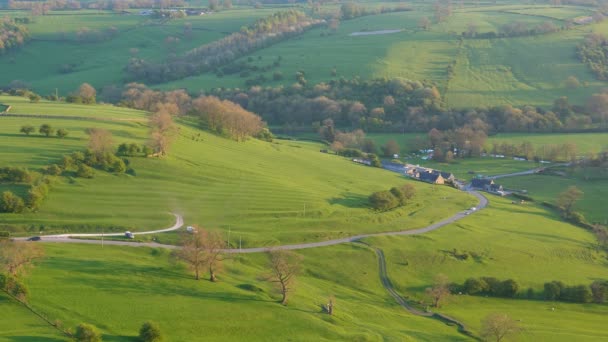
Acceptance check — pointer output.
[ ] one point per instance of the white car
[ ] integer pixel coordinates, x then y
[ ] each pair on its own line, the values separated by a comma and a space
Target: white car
473, 209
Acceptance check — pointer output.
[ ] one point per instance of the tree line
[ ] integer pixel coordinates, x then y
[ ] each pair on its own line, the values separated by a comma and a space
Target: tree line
262, 33
403, 105
43, 7
596, 292
594, 53
12, 35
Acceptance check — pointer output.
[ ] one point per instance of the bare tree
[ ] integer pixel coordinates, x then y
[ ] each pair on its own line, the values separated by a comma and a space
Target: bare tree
497, 326
200, 250
87, 93
162, 131
214, 254
16, 257
100, 140
567, 199
284, 266
440, 290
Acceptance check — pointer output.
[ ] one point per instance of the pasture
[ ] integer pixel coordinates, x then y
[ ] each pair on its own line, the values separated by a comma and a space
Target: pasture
487, 72
264, 193
117, 289
522, 242
547, 188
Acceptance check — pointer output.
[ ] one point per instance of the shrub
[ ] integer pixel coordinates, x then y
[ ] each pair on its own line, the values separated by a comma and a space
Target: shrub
54, 170
509, 288
383, 200
27, 129
62, 133
577, 294
11, 203
85, 171
553, 290
87, 333
475, 285
150, 332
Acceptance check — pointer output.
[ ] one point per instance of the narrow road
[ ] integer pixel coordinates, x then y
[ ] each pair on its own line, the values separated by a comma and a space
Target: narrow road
386, 282
65, 238
179, 222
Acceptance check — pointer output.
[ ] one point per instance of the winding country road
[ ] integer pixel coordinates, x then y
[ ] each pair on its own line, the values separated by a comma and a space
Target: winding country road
66, 238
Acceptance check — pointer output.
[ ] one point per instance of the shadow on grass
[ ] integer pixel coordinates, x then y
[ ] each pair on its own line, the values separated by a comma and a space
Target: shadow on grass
33, 338
350, 200
121, 338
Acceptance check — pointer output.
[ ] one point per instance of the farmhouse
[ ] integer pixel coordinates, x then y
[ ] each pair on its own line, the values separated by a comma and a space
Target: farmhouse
433, 178
486, 184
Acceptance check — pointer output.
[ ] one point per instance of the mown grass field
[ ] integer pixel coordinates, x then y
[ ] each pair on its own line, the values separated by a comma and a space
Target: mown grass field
117, 289
522, 242
265, 193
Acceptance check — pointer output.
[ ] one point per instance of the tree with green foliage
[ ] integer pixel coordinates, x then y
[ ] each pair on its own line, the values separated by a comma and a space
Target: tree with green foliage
375, 161
34, 98
46, 130
475, 286
567, 199
85, 171
150, 332
383, 200
599, 291
553, 290
27, 129
11, 203
509, 288
62, 133
54, 170
87, 333
498, 326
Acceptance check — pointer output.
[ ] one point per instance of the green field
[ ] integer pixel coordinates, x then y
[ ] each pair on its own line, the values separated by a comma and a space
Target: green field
266, 193
546, 188
118, 288
523, 242
488, 72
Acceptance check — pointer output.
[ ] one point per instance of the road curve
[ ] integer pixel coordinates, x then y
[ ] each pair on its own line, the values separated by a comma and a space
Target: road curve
64, 238
179, 222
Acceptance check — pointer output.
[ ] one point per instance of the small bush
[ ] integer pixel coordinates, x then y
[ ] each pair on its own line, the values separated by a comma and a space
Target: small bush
150, 332
87, 333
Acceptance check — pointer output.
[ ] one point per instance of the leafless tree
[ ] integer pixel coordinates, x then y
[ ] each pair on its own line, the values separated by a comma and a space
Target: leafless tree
162, 131
440, 290
284, 266
200, 250
497, 326
16, 256
87, 93
100, 140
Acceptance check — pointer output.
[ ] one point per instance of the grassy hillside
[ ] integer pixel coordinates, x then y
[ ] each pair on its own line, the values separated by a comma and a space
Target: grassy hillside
119, 288
265, 193
547, 188
19, 324
522, 242
516, 70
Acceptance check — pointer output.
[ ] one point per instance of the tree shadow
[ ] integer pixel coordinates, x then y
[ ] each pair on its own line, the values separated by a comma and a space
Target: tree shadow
120, 338
350, 200
33, 338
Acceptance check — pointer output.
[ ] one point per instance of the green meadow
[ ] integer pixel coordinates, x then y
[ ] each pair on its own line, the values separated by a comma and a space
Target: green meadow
516, 70
264, 193
117, 288
522, 242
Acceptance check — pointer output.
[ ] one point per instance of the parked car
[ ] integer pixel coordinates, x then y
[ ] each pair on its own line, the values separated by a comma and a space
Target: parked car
34, 238
129, 235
